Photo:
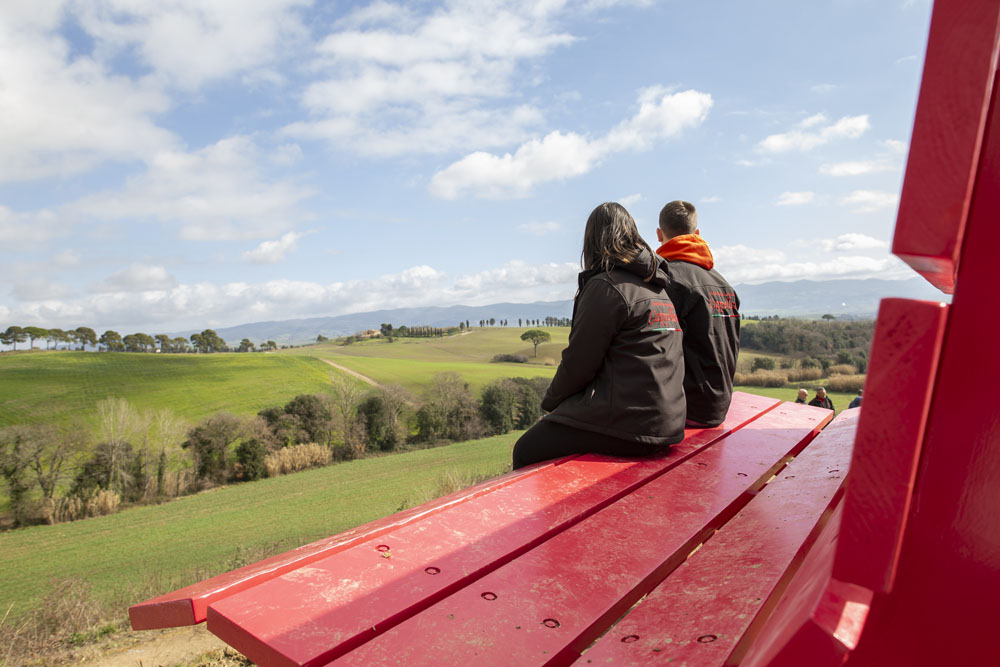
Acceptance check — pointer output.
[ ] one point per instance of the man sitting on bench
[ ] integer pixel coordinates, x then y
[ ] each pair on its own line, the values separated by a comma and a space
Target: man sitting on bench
709, 314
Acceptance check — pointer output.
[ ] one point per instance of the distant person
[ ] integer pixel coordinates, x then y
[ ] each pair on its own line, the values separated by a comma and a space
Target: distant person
619, 387
822, 400
803, 395
856, 401
709, 312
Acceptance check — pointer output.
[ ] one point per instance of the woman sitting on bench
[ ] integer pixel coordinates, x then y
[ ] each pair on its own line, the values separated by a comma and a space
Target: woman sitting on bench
619, 387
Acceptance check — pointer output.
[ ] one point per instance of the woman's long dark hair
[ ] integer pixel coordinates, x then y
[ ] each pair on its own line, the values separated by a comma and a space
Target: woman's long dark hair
611, 238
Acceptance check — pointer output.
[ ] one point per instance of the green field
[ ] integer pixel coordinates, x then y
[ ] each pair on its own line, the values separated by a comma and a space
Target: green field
58, 387
149, 550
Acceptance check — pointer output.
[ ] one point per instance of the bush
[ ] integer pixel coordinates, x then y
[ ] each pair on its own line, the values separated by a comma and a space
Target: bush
498, 406
846, 383
99, 502
295, 458
761, 379
451, 411
842, 369
509, 359
762, 364
809, 362
529, 400
250, 456
804, 374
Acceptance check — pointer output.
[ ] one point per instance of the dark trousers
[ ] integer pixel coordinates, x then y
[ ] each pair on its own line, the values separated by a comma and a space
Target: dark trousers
551, 440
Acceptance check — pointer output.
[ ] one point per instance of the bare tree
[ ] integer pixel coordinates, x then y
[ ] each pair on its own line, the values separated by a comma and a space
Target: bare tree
347, 396
118, 423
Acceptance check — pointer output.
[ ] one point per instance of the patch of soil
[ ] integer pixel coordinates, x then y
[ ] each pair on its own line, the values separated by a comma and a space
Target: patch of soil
158, 648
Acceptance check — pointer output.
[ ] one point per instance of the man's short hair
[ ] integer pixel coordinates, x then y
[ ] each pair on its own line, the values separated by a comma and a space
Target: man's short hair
678, 217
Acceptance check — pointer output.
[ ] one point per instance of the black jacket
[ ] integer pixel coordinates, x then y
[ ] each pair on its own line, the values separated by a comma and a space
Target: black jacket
708, 309
825, 403
622, 373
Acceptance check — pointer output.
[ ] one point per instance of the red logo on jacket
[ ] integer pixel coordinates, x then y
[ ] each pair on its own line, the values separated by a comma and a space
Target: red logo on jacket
663, 317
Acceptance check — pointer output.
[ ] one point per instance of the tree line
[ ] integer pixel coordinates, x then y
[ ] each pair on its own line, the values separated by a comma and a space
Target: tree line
111, 341
53, 474
819, 339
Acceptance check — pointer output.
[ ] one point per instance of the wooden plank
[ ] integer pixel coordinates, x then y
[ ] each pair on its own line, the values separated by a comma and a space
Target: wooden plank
947, 137
188, 605
722, 595
555, 600
904, 362
312, 614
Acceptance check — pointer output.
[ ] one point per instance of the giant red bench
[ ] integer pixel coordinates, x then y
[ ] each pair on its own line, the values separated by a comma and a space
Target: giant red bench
768, 541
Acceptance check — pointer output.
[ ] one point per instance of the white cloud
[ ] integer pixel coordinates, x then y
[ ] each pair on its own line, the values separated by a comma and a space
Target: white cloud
66, 259
27, 229
272, 252
628, 200
138, 278
539, 228
187, 43
147, 302
216, 193
559, 156
844, 243
62, 114
868, 201
795, 198
856, 168
392, 81
823, 88
712, 199
894, 146
39, 289
742, 264
799, 139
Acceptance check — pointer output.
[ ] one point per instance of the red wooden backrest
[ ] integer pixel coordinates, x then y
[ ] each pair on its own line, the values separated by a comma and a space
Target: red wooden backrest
916, 571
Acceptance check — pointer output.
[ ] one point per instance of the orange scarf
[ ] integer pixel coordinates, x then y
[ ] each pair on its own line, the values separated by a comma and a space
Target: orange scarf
688, 248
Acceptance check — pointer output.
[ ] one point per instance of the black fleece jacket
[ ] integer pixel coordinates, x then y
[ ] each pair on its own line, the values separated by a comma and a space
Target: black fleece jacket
708, 309
623, 372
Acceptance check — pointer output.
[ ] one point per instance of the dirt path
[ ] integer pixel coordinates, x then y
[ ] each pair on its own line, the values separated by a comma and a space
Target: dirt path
157, 648
363, 378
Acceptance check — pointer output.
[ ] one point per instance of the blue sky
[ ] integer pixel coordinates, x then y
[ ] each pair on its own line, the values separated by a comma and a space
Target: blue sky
176, 164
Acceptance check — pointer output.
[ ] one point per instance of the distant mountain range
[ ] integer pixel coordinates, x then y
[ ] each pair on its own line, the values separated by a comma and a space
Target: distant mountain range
851, 299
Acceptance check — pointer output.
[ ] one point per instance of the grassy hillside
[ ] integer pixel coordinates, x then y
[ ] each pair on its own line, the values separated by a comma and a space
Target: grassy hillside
60, 386
148, 550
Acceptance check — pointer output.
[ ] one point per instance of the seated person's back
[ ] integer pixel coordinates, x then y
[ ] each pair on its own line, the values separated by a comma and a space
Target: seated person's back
708, 310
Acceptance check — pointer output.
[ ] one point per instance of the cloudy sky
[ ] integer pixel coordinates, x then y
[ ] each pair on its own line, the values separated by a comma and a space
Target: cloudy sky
175, 164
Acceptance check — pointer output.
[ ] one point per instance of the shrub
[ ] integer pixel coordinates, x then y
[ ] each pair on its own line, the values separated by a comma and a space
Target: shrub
762, 364
382, 415
787, 363
97, 502
451, 411
498, 406
295, 458
763, 379
804, 374
509, 359
529, 400
846, 383
250, 455
809, 362
842, 369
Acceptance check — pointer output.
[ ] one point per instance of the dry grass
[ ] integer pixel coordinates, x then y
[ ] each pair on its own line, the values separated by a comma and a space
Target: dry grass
804, 374
842, 369
761, 379
846, 383
295, 458
220, 658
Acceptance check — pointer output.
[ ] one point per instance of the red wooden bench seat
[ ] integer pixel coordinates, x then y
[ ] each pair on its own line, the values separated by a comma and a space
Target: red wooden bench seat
363, 590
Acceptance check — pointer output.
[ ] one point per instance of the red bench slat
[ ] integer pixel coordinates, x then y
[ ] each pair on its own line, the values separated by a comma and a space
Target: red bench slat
287, 620
553, 601
904, 363
188, 605
947, 138
717, 598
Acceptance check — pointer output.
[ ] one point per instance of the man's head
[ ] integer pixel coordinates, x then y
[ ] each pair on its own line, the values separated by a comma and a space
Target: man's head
803, 394
677, 218
821, 393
